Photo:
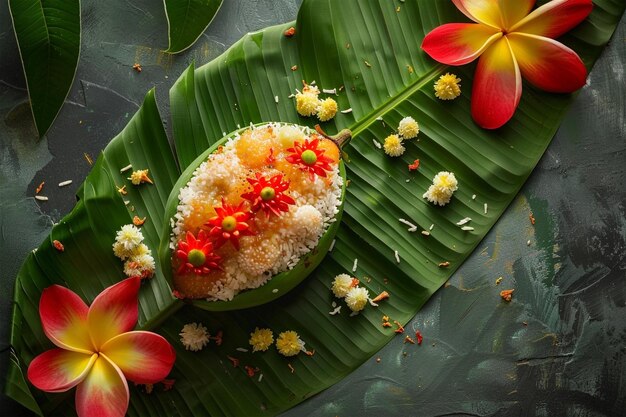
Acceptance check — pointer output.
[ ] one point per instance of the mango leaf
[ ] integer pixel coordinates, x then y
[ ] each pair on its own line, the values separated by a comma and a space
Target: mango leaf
48, 37
368, 51
187, 20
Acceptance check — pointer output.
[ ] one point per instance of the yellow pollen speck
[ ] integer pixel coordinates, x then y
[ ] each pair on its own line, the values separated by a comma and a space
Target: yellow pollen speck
393, 146
261, 339
447, 87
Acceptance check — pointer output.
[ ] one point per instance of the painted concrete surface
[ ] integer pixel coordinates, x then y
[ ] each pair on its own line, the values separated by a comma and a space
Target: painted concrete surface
559, 348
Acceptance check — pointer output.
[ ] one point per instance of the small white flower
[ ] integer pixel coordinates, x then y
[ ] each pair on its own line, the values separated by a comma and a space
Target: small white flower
129, 237
194, 336
357, 298
341, 285
408, 128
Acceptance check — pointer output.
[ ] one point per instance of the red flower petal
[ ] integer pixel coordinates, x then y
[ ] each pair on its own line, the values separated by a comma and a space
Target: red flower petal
459, 43
104, 392
64, 319
497, 87
554, 18
114, 311
548, 64
58, 370
143, 357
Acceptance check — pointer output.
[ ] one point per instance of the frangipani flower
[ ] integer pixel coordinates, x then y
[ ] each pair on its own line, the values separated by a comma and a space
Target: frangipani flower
512, 42
97, 351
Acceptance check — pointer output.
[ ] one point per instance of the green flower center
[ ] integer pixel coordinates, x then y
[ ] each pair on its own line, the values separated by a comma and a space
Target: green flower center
267, 193
309, 157
196, 257
229, 224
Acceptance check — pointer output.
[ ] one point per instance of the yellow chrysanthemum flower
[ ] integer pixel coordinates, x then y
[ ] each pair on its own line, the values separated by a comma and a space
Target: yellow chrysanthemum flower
289, 343
307, 104
261, 339
447, 87
327, 109
408, 128
393, 145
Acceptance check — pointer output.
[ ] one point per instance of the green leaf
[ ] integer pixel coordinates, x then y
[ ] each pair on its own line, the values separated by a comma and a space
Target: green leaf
187, 20
368, 48
48, 37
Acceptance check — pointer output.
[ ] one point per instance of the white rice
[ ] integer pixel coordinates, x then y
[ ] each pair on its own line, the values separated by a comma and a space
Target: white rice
298, 231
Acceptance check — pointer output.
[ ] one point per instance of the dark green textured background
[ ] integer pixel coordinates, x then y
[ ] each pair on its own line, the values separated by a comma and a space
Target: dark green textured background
478, 358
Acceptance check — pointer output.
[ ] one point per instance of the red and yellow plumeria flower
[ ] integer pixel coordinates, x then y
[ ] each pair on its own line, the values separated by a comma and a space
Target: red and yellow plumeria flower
97, 351
512, 42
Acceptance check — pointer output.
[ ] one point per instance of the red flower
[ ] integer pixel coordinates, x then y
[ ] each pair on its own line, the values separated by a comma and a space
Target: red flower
268, 195
229, 224
309, 158
197, 255
97, 350
512, 42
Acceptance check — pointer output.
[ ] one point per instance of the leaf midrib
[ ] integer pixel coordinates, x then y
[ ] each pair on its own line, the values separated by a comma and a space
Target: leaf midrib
396, 100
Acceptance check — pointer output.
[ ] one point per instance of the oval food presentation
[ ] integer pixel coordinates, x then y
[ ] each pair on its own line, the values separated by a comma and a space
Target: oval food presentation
258, 207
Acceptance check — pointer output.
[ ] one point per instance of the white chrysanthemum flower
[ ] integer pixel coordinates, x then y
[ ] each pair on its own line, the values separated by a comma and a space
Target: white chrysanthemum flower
327, 109
408, 128
121, 252
141, 249
438, 195
393, 145
129, 237
357, 298
194, 336
446, 180
341, 285
146, 264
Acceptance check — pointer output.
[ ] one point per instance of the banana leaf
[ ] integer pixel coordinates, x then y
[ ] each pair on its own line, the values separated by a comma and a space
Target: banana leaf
48, 36
187, 20
369, 51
